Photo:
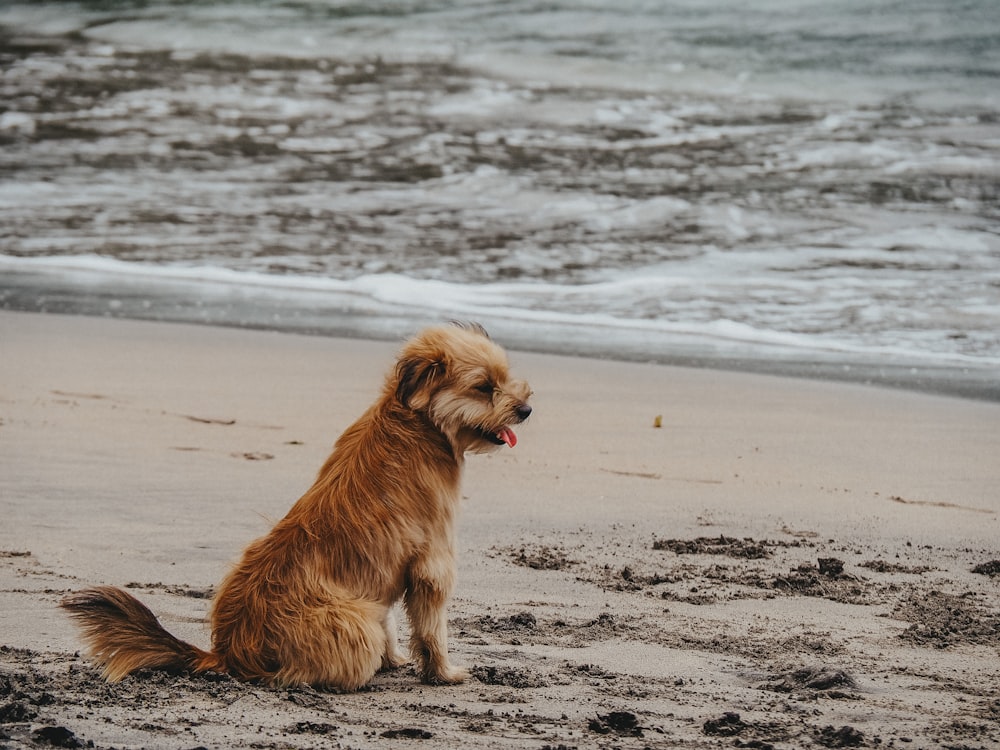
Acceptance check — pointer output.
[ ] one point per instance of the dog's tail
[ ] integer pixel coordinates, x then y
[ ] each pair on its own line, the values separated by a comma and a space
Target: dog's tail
123, 636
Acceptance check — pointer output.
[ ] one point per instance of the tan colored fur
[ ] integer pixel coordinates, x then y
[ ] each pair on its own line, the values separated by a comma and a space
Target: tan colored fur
311, 601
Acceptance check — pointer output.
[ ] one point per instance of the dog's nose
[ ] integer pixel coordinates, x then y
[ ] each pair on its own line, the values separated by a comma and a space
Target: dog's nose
523, 412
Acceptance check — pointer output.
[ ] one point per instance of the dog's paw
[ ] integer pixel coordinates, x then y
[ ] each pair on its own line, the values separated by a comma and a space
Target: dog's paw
447, 676
393, 661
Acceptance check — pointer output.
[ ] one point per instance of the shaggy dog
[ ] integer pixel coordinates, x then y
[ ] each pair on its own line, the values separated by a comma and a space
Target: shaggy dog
311, 601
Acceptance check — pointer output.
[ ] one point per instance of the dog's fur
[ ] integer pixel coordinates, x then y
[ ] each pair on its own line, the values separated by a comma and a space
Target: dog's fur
311, 601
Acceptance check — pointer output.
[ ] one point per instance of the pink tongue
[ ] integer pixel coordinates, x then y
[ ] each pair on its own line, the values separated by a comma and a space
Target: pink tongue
508, 436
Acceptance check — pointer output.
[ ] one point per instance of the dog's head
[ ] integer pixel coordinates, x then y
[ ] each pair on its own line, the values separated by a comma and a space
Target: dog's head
459, 378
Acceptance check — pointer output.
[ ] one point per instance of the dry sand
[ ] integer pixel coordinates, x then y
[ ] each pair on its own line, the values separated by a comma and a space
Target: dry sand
782, 564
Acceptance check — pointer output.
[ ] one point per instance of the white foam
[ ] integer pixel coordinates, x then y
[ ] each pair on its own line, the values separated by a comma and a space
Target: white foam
20, 122
485, 100
522, 305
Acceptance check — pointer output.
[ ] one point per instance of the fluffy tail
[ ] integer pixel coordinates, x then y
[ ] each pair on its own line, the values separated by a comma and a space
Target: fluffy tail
123, 635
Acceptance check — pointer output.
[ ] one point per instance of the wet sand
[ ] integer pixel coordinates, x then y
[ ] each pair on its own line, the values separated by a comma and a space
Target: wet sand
783, 563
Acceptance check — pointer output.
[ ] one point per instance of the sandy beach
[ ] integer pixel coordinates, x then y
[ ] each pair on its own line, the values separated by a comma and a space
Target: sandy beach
781, 564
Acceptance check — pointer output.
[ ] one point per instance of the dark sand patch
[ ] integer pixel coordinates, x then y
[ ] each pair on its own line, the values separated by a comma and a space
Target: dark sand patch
944, 620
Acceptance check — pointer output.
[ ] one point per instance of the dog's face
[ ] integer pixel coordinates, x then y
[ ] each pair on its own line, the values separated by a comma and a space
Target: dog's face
458, 377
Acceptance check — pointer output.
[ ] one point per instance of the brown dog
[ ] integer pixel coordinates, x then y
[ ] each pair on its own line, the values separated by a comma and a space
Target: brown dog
311, 601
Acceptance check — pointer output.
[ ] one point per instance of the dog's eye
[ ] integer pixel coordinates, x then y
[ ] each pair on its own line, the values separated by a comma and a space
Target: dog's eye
486, 388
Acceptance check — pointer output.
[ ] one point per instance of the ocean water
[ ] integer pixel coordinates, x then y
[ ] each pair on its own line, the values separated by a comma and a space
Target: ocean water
777, 185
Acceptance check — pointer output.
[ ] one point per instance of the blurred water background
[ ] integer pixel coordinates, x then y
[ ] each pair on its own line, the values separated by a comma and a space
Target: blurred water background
778, 185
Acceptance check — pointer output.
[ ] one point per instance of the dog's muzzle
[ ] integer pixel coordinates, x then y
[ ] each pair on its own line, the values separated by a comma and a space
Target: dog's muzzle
506, 436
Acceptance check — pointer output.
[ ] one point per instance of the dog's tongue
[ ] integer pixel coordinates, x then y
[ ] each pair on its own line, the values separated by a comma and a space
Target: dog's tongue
508, 436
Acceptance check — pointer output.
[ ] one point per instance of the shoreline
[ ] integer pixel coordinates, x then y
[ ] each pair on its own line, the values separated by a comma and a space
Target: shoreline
784, 562
320, 314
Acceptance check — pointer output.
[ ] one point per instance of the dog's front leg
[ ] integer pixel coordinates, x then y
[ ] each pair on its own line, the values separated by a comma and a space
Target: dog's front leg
430, 582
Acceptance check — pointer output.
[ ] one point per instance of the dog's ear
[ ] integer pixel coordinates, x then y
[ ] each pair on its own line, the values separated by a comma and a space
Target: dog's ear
415, 374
